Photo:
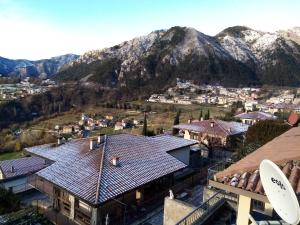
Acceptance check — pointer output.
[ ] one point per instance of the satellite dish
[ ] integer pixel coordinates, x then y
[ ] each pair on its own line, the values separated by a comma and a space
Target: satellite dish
279, 192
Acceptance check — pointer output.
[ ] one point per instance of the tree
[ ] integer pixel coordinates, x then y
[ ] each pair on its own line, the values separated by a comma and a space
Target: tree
264, 131
176, 121
144, 132
148, 108
207, 115
200, 115
242, 151
8, 202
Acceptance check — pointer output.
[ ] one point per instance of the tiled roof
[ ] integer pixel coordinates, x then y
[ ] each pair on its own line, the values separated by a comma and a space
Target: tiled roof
282, 150
220, 127
256, 115
90, 174
250, 180
19, 167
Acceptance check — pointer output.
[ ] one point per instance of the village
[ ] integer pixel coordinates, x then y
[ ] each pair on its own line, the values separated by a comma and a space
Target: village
176, 170
102, 164
186, 93
24, 88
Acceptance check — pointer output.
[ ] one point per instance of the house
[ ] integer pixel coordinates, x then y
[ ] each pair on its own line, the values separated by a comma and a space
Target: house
280, 107
251, 118
67, 129
250, 105
91, 179
13, 173
109, 117
119, 126
213, 133
103, 123
242, 178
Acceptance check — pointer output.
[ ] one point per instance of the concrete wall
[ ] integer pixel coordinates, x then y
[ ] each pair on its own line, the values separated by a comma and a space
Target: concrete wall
182, 154
175, 210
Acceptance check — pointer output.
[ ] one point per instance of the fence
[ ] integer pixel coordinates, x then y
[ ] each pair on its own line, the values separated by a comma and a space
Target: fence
216, 168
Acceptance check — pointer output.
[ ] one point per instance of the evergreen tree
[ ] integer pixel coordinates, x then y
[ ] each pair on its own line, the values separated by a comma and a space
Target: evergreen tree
145, 125
176, 121
207, 115
200, 115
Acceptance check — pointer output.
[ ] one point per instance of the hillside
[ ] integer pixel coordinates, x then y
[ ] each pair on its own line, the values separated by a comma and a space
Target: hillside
234, 57
42, 68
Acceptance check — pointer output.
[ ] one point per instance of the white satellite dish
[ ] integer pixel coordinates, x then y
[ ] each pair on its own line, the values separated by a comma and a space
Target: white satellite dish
279, 192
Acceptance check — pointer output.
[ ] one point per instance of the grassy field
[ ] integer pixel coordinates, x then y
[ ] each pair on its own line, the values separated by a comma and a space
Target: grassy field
11, 155
161, 116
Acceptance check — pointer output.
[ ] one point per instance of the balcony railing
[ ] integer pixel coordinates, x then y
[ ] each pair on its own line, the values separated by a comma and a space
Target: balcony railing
204, 210
215, 169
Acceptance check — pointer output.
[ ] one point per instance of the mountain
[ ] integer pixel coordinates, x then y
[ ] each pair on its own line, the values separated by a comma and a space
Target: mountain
236, 56
275, 57
43, 68
155, 60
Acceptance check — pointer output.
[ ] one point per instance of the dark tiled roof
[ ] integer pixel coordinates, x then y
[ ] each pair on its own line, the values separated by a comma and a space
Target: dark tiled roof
220, 127
256, 115
22, 166
90, 174
282, 150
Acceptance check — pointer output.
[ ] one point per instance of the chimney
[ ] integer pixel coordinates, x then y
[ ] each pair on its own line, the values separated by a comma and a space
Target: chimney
101, 138
59, 141
115, 161
93, 143
12, 169
212, 124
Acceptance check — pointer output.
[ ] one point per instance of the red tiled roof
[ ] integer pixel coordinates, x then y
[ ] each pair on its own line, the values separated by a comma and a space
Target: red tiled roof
90, 175
283, 150
220, 127
250, 180
23, 166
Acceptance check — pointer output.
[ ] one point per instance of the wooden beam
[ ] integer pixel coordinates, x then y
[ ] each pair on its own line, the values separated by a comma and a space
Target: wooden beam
238, 191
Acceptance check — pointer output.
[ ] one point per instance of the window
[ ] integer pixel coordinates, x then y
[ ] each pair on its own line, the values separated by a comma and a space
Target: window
83, 205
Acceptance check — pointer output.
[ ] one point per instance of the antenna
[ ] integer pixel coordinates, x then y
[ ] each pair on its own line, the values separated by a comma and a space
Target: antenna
279, 192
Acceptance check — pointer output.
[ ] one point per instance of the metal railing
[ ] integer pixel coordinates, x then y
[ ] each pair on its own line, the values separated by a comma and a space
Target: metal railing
204, 210
216, 168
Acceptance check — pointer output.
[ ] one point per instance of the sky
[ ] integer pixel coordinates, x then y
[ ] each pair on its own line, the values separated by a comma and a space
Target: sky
37, 29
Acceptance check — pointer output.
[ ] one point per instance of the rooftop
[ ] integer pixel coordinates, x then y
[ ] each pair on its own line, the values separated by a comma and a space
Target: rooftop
90, 175
20, 167
256, 115
282, 150
214, 127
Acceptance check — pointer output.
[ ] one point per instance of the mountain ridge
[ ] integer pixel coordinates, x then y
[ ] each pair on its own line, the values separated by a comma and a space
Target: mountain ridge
235, 56
43, 67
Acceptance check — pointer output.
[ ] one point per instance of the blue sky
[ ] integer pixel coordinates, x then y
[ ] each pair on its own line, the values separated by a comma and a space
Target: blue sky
36, 29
